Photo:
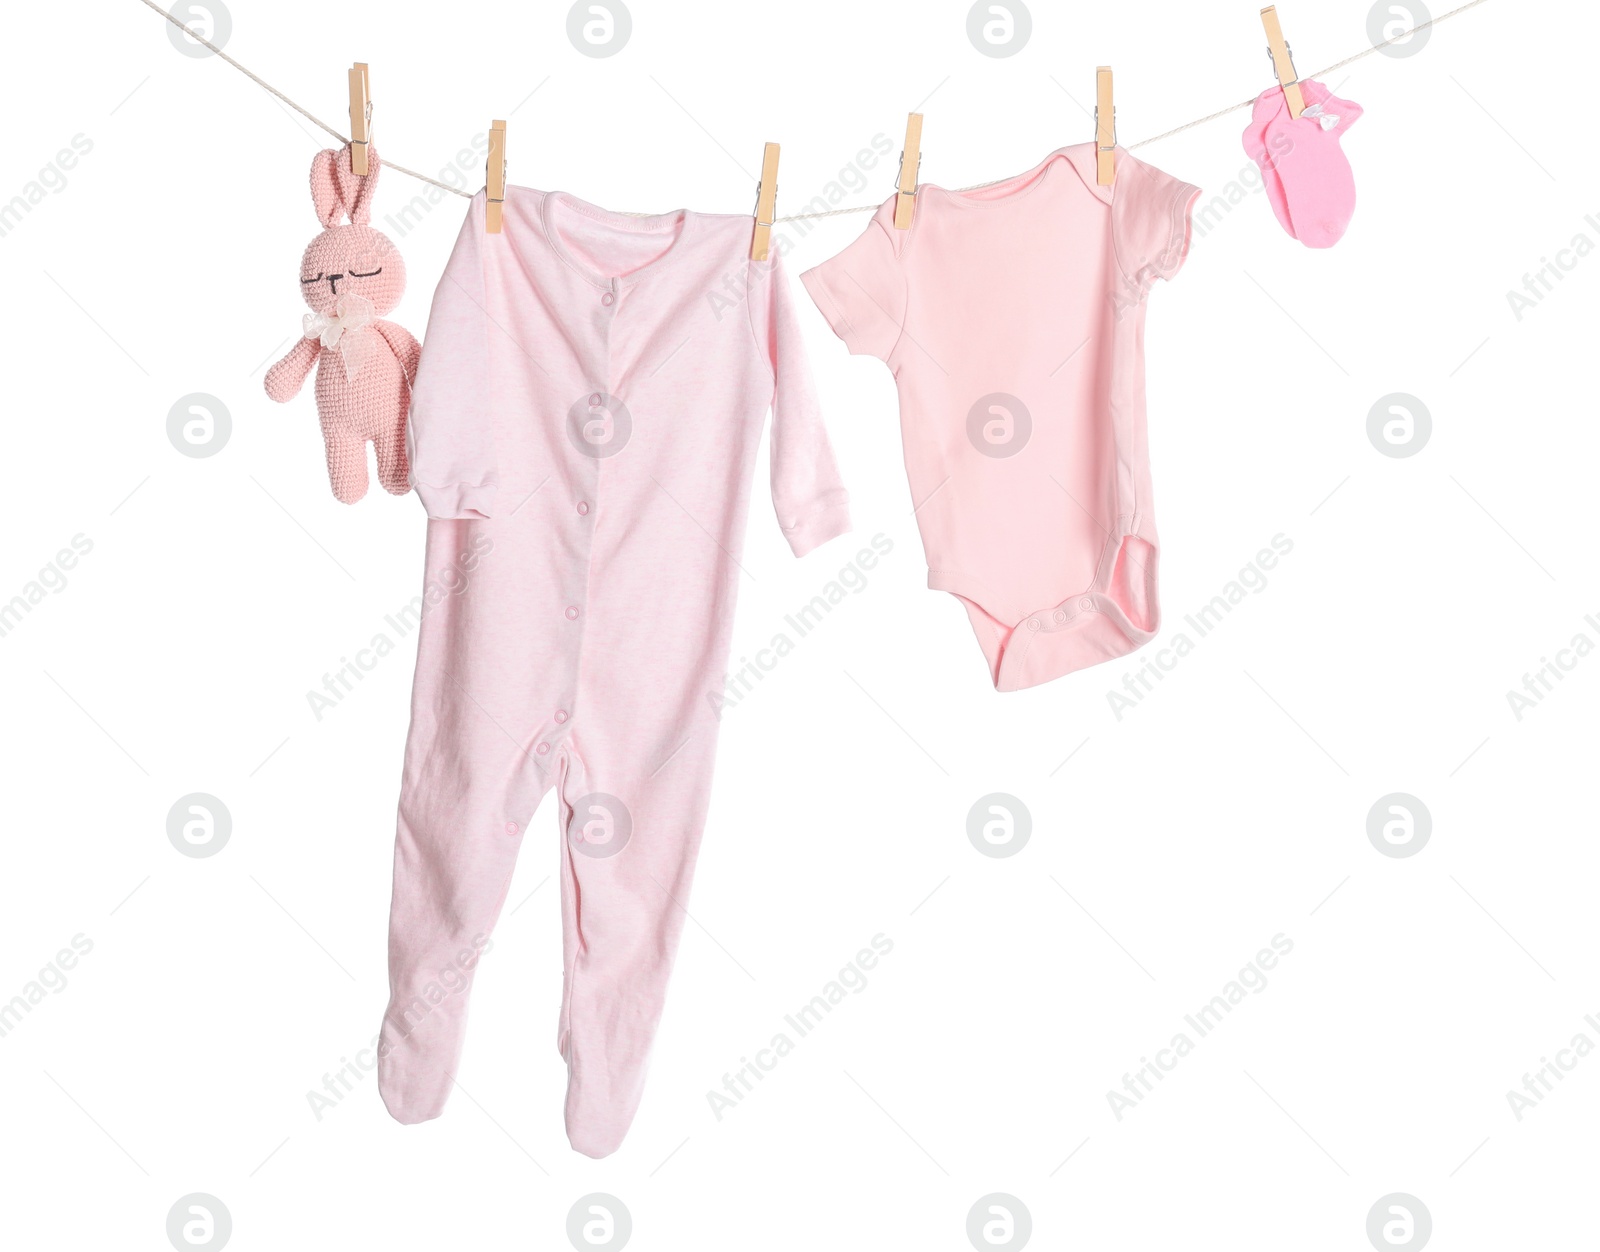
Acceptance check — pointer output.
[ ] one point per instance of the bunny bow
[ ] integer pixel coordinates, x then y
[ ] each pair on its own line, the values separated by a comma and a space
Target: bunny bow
347, 330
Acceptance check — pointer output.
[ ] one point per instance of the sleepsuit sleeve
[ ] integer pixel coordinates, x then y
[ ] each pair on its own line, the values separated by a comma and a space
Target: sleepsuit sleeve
451, 435
807, 492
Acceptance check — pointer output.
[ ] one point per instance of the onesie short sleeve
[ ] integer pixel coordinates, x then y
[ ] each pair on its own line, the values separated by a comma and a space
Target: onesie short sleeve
862, 291
1150, 221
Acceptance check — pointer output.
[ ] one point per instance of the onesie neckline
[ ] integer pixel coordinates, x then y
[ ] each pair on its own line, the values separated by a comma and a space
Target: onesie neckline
1080, 156
683, 219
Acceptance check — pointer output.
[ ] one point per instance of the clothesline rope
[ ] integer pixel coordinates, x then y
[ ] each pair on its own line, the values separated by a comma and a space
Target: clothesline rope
300, 109
798, 217
1322, 73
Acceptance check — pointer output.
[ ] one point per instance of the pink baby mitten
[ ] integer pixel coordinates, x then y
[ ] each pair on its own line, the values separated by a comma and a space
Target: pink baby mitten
1306, 172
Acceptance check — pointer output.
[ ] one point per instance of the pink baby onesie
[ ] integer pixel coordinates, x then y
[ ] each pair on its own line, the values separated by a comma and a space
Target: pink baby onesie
584, 431
1013, 320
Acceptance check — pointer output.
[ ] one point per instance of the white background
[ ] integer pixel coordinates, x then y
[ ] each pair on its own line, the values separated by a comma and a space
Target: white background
1228, 807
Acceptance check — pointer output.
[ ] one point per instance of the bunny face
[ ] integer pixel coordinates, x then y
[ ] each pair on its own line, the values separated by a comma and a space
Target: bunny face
353, 258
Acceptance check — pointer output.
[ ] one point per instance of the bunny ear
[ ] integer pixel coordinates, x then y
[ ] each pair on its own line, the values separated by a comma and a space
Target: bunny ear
325, 194
338, 191
360, 204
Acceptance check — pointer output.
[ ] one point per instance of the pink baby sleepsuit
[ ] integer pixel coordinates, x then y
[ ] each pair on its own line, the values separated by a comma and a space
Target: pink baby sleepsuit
1012, 318
584, 433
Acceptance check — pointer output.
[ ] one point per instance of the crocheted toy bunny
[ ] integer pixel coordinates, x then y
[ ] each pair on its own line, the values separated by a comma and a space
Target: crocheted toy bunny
350, 276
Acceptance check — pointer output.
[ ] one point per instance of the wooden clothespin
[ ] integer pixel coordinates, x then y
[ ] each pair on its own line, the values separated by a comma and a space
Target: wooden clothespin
1105, 128
766, 203
905, 202
360, 117
495, 178
1282, 61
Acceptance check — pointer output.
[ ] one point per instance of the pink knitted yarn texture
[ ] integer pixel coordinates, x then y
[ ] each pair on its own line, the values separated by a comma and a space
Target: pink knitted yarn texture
351, 275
